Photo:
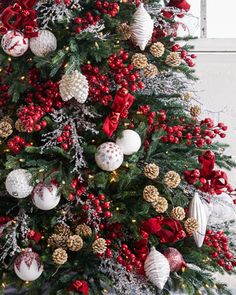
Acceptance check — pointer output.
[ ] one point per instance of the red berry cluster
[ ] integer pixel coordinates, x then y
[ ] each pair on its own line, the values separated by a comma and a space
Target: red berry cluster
219, 242
84, 22
16, 144
4, 96
185, 55
65, 139
106, 7
78, 188
31, 117
158, 33
112, 230
128, 259
100, 203
99, 86
124, 74
67, 2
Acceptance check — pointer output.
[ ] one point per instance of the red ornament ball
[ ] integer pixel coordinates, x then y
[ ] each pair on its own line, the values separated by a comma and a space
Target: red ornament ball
175, 259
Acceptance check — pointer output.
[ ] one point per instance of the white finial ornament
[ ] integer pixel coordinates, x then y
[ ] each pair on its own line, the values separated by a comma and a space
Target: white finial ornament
142, 27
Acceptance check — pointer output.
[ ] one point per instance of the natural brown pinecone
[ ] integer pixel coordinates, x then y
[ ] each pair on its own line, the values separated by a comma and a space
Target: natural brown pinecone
124, 31
75, 243
173, 59
157, 49
63, 230
195, 111
83, 230
8, 120
178, 213
150, 71
59, 256
99, 246
139, 61
57, 241
5, 129
151, 170
161, 205
187, 96
191, 225
172, 179
20, 126
150, 193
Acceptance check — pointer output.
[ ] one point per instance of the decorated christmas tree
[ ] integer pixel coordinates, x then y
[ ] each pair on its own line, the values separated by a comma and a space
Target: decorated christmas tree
107, 168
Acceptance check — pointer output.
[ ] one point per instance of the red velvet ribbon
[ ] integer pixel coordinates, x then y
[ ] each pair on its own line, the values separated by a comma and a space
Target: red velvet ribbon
122, 102
21, 16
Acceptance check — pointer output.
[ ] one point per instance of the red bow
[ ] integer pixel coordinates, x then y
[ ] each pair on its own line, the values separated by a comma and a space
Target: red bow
21, 16
80, 287
122, 102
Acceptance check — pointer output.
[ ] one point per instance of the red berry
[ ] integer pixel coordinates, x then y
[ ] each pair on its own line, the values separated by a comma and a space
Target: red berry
107, 214
228, 255
221, 262
119, 259
129, 267
228, 267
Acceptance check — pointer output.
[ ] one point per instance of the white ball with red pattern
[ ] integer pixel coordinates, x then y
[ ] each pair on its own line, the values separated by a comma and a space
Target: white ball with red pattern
109, 156
129, 142
14, 43
45, 197
28, 266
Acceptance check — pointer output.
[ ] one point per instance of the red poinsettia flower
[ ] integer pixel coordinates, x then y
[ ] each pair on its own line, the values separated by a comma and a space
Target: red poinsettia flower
171, 231
80, 287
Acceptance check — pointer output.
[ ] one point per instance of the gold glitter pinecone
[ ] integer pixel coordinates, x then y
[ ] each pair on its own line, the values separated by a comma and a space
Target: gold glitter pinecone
157, 49
63, 230
99, 246
150, 193
150, 71
172, 179
20, 126
83, 230
8, 120
161, 205
191, 225
57, 241
5, 129
59, 256
124, 31
195, 111
173, 59
75, 243
151, 171
187, 96
139, 61
178, 213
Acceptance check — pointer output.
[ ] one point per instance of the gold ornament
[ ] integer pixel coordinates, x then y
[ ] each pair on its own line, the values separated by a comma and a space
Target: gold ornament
139, 61
151, 170
63, 230
187, 96
19, 126
172, 179
124, 31
5, 129
195, 111
191, 225
161, 205
178, 213
59, 256
57, 241
150, 71
83, 230
150, 193
157, 49
75, 243
173, 60
99, 246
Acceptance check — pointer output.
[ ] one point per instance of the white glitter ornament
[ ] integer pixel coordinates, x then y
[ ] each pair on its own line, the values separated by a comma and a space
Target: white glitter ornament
28, 266
45, 197
109, 156
157, 268
18, 183
44, 43
14, 43
142, 27
197, 210
74, 85
129, 142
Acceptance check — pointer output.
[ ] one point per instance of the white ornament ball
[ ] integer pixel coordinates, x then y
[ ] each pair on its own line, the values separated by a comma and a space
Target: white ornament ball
45, 197
129, 142
109, 156
28, 266
157, 268
18, 183
14, 43
44, 43
74, 85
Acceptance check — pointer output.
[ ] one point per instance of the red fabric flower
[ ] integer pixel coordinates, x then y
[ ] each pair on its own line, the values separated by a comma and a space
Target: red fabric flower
80, 287
171, 231
181, 4
152, 225
34, 235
